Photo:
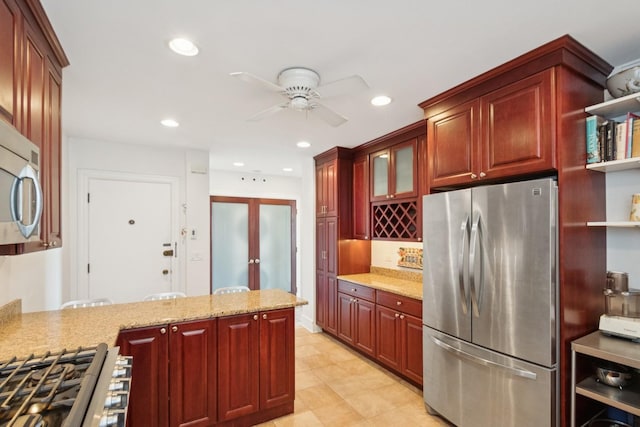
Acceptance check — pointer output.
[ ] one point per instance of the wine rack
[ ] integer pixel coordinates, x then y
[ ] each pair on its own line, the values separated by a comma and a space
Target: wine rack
397, 221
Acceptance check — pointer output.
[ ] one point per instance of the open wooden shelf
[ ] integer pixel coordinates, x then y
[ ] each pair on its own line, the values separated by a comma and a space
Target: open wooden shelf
616, 108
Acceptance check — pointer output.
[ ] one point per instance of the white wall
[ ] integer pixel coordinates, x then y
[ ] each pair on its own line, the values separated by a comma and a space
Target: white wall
384, 253
190, 167
623, 244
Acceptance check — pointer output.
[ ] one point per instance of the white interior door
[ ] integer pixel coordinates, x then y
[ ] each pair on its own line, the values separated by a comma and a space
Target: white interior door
131, 246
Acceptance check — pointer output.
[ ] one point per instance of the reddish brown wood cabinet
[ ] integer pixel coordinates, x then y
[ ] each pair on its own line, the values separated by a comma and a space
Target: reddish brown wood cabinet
31, 62
256, 367
394, 171
179, 393
504, 133
356, 316
149, 396
336, 250
360, 202
399, 334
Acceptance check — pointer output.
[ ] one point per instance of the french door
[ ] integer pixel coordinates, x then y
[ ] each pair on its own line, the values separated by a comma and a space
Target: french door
253, 243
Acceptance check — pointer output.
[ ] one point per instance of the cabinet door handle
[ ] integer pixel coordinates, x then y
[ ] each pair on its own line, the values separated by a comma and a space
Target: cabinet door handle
402, 317
398, 302
264, 316
354, 290
174, 329
163, 331
474, 176
482, 174
391, 196
255, 317
397, 315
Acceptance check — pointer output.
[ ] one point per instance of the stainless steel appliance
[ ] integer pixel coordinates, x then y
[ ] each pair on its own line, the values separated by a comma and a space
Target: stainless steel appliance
20, 191
80, 387
489, 305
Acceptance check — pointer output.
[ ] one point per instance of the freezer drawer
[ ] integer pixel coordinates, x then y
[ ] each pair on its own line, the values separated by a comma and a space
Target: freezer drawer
474, 387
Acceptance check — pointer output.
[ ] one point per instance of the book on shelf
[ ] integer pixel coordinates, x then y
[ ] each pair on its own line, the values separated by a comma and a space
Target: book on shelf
635, 138
594, 149
611, 140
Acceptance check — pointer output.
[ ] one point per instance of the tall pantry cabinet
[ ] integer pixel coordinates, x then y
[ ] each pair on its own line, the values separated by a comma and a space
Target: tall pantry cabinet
337, 252
526, 119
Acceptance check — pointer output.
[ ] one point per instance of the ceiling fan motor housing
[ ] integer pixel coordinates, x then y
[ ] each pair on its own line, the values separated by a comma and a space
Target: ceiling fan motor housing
300, 84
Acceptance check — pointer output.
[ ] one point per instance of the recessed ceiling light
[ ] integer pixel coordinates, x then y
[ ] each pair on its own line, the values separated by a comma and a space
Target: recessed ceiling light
238, 164
303, 144
183, 47
287, 169
170, 123
380, 100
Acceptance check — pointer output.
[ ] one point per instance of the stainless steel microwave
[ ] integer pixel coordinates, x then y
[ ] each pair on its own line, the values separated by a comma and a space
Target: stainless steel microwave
20, 190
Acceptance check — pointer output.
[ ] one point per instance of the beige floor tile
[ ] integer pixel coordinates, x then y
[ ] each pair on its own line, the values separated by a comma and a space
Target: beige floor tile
341, 414
303, 419
369, 403
306, 350
331, 373
318, 396
306, 379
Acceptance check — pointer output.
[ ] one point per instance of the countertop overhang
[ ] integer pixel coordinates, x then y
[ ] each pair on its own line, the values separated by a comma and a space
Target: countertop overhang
39, 332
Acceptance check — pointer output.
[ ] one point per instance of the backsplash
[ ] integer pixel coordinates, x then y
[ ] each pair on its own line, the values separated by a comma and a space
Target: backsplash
397, 274
9, 311
385, 253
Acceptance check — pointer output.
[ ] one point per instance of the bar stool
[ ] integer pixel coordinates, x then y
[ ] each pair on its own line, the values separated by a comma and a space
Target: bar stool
96, 302
231, 290
164, 295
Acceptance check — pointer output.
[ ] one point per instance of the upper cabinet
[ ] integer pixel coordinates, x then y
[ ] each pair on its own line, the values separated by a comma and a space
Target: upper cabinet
333, 171
394, 171
503, 133
361, 197
31, 62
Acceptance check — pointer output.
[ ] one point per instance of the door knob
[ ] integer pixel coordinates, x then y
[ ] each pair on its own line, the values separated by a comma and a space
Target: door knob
165, 272
257, 261
168, 252
250, 261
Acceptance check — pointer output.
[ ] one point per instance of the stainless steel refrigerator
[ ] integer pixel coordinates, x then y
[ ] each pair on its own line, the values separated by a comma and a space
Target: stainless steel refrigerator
489, 305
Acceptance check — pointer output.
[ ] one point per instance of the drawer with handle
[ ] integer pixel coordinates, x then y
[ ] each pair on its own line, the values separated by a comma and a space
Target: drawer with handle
355, 290
400, 303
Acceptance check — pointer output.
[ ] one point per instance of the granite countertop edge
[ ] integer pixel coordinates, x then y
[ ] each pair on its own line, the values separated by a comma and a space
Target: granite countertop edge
36, 333
404, 287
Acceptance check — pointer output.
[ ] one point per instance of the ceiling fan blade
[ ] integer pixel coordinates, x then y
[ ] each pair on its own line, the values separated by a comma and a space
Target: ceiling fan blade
268, 112
342, 86
328, 115
250, 78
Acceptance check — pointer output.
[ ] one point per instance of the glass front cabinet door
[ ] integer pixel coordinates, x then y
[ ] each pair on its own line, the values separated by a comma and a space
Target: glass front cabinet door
393, 172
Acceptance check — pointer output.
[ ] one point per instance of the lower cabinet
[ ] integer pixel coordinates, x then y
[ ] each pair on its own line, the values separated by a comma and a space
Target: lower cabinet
183, 393
234, 370
383, 325
399, 342
356, 316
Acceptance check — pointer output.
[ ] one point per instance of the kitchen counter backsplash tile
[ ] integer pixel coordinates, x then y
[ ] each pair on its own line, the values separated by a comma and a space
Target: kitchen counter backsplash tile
54, 330
408, 284
398, 274
9, 311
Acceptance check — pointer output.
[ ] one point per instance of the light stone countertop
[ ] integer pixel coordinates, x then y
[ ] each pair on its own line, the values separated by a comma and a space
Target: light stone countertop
384, 282
24, 334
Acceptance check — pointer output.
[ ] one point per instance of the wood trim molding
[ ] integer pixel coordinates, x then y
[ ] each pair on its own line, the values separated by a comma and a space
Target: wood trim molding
47, 29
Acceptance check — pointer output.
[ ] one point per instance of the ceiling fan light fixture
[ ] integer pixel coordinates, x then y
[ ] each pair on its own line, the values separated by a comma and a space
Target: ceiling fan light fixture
380, 100
170, 123
183, 46
299, 103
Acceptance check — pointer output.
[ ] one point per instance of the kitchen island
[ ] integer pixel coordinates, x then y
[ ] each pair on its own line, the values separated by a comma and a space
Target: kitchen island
216, 359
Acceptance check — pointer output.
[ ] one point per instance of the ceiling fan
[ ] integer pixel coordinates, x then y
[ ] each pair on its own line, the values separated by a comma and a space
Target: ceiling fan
300, 86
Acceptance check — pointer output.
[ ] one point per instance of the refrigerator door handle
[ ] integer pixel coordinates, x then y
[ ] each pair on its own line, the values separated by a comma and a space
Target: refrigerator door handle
484, 362
464, 239
476, 243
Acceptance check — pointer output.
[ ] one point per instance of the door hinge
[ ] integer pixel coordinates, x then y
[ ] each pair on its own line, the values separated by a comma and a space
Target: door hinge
88, 268
88, 197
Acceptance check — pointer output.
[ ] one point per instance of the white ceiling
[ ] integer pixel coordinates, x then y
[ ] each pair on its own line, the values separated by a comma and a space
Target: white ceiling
123, 79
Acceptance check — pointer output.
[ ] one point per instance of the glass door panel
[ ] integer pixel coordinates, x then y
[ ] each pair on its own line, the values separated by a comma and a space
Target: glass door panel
404, 170
229, 244
381, 175
275, 247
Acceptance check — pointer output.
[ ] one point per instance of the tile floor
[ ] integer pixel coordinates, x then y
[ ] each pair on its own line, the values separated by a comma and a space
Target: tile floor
337, 387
